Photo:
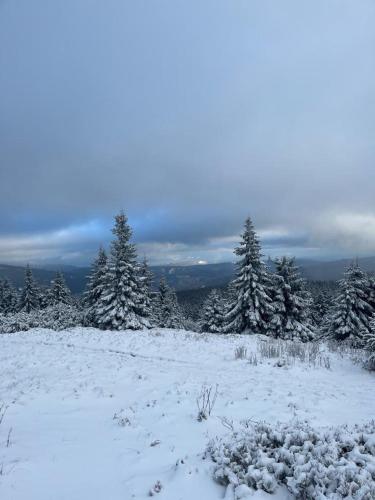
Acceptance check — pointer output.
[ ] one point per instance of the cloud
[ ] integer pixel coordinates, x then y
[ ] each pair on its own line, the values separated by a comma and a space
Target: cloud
188, 122
72, 244
353, 232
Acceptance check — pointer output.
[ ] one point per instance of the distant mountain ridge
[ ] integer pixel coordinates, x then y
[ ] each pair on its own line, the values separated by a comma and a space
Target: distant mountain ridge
183, 278
75, 277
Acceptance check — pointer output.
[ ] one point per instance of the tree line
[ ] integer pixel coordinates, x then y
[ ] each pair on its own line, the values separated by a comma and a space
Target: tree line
274, 302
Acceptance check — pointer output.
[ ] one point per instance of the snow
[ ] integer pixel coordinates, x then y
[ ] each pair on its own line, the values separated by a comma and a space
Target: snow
99, 415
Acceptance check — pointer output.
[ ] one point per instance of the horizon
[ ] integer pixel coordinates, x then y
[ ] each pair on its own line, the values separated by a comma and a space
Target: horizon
190, 123
301, 261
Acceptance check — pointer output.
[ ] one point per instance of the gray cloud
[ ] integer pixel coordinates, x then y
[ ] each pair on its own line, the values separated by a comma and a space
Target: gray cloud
190, 116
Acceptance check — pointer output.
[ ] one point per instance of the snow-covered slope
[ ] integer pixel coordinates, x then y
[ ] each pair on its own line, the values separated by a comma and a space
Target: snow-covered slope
106, 415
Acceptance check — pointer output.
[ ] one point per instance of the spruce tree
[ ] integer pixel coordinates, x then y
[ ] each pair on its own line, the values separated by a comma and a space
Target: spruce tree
144, 306
29, 300
252, 309
369, 344
10, 298
278, 304
168, 313
44, 297
95, 287
291, 302
212, 314
120, 303
322, 303
352, 309
59, 292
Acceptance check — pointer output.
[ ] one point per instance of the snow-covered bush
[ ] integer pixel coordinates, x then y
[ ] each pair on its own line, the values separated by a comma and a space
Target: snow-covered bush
336, 463
18, 322
57, 317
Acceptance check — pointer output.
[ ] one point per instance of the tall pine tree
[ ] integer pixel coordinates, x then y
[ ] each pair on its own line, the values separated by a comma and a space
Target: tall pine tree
352, 310
29, 300
119, 306
252, 308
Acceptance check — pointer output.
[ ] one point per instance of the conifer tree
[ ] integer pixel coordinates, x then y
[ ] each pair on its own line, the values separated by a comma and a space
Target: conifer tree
252, 309
291, 302
352, 309
8, 298
44, 297
1, 297
29, 300
212, 314
369, 343
95, 287
59, 292
278, 304
119, 305
167, 310
322, 304
145, 281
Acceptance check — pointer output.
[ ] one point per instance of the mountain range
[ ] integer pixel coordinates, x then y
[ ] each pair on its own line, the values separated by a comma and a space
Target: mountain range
183, 277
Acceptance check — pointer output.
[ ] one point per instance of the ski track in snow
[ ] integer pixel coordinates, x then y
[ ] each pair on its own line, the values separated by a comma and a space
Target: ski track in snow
63, 390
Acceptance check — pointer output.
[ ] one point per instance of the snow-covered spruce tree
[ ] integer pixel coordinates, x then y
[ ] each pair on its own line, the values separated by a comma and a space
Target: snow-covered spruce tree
145, 282
291, 302
322, 303
44, 294
352, 309
212, 314
29, 300
372, 290
95, 287
251, 309
8, 298
167, 311
278, 304
369, 344
59, 292
120, 305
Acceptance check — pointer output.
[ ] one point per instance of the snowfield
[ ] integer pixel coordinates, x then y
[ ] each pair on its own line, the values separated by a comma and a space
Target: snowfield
112, 415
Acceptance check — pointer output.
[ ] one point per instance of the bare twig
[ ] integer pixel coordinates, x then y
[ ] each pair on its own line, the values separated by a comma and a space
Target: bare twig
206, 401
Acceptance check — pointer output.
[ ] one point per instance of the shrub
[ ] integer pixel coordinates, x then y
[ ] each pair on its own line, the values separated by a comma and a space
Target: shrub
19, 322
337, 463
57, 317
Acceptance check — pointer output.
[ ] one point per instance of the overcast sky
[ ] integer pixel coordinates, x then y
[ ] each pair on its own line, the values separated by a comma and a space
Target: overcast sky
189, 115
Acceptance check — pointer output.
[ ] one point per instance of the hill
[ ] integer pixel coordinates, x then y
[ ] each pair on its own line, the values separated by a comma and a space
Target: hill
184, 278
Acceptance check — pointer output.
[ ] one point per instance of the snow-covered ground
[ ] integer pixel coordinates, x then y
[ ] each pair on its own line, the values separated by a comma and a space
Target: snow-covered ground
106, 415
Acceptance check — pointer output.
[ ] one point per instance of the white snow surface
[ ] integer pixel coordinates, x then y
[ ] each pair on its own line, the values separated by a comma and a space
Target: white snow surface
63, 390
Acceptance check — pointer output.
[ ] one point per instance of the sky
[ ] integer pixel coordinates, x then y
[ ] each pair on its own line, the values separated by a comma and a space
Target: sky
189, 116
